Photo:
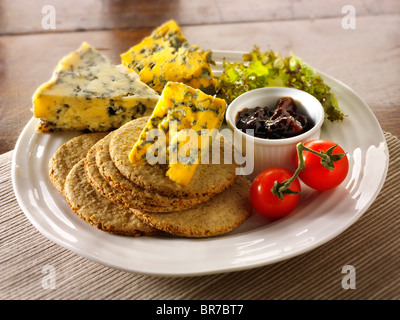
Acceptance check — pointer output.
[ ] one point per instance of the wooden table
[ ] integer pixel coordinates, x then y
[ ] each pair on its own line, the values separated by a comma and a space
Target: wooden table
366, 58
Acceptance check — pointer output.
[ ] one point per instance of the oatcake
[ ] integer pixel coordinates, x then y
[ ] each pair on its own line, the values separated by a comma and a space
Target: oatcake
221, 214
125, 198
126, 187
209, 179
96, 179
97, 210
68, 154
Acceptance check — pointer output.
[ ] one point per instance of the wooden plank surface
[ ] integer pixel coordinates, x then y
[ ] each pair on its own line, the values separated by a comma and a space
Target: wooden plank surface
25, 16
367, 58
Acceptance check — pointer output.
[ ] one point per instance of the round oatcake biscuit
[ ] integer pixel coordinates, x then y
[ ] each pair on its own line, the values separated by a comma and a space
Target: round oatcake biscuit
130, 192
97, 210
208, 180
69, 154
219, 215
97, 180
125, 198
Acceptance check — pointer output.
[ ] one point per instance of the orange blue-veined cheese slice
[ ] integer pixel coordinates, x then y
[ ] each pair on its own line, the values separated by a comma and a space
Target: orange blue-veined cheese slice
88, 92
189, 112
166, 56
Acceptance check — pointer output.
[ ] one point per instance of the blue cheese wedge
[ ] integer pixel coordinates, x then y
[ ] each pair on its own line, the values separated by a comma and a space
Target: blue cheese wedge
191, 110
166, 55
88, 92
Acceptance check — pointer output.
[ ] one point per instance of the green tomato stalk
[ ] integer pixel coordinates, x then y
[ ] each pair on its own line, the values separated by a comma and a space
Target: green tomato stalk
280, 189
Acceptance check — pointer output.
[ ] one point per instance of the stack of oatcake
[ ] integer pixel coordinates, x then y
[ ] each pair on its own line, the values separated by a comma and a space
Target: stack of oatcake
105, 189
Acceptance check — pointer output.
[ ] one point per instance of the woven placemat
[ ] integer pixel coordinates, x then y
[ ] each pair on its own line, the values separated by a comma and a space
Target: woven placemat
370, 247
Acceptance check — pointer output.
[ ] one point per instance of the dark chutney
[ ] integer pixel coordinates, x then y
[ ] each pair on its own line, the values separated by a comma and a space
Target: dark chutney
279, 122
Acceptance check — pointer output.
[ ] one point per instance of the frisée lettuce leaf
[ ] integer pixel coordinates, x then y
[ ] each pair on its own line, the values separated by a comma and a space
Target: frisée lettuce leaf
265, 69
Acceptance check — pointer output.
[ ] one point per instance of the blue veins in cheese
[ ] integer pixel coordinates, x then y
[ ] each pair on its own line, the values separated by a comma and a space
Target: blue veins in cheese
88, 92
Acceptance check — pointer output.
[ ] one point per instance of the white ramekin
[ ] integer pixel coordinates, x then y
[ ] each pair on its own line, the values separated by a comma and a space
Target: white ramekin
268, 153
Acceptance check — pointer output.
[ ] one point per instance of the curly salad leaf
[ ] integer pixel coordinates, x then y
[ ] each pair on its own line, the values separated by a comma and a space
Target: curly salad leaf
268, 69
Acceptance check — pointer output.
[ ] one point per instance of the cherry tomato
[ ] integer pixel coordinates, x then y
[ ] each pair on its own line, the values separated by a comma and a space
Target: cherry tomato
265, 202
315, 175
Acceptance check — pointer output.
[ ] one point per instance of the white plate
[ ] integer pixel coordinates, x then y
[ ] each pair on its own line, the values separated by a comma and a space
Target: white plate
319, 217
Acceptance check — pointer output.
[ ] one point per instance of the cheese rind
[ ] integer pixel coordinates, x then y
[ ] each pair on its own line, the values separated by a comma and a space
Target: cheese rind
166, 56
190, 112
87, 92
